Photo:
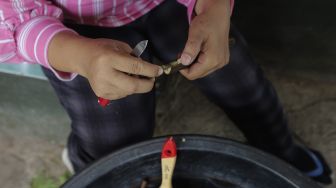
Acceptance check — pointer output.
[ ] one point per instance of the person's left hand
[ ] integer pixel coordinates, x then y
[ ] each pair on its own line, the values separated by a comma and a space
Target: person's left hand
208, 39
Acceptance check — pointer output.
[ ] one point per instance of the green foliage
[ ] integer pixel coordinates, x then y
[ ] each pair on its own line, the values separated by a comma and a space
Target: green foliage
44, 181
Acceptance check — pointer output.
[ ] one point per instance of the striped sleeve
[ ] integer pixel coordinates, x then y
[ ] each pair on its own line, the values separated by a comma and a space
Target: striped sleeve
26, 29
190, 4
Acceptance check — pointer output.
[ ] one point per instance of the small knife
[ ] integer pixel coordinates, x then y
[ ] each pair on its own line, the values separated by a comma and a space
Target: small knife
136, 52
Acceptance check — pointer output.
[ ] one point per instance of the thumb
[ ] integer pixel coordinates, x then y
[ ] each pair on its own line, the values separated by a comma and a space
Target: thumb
193, 45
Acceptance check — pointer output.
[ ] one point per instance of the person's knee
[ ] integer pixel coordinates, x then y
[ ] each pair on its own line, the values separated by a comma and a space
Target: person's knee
237, 84
99, 140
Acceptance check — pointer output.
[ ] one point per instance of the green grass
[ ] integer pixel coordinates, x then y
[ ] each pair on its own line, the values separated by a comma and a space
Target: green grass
45, 181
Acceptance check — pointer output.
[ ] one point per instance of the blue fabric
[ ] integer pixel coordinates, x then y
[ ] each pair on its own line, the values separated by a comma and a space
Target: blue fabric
318, 171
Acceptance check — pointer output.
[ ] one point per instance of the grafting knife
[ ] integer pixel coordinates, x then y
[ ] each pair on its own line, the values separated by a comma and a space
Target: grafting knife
136, 52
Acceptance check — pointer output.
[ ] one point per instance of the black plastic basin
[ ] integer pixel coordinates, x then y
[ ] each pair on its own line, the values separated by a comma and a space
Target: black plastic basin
202, 162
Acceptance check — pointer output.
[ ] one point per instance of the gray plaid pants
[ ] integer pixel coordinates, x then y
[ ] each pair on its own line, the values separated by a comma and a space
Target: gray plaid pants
239, 88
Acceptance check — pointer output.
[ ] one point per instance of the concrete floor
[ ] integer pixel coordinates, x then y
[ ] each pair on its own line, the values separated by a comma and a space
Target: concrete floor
33, 127
295, 46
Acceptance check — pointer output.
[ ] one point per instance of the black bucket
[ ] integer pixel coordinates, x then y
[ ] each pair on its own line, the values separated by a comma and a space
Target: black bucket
202, 162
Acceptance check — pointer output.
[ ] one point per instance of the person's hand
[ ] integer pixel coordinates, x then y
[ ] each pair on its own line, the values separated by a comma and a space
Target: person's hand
107, 64
208, 40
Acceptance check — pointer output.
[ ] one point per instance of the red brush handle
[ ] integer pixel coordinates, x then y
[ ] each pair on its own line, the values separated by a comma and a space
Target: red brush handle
169, 148
103, 102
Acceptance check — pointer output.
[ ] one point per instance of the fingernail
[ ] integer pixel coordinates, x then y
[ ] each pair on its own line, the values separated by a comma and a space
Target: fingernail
185, 59
160, 71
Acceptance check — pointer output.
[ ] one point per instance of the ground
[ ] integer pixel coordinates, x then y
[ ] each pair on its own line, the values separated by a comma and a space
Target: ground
34, 127
295, 47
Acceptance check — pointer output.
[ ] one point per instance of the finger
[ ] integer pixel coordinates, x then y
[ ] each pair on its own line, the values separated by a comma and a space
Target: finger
115, 45
222, 63
136, 66
112, 96
193, 45
131, 84
124, 47
108, 92
209, 72
203, 65
194, 72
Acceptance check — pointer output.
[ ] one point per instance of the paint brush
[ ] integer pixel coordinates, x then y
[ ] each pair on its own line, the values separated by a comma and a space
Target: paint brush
168, 161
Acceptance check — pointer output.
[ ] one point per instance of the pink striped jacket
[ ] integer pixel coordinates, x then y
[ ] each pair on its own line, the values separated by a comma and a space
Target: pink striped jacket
27, 26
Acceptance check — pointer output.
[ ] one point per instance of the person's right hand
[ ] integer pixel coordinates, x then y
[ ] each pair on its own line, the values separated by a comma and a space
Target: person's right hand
107, 64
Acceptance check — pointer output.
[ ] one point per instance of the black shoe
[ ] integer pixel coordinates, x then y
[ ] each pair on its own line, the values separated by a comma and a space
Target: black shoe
322, 173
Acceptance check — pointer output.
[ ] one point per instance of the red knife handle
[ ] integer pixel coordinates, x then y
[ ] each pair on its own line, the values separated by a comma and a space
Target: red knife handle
103, 102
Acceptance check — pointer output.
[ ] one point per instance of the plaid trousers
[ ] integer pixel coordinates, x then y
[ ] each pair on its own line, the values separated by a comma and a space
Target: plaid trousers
239, 88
